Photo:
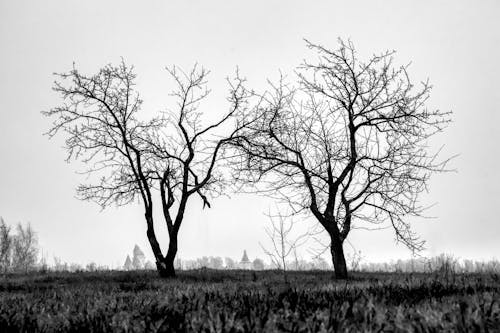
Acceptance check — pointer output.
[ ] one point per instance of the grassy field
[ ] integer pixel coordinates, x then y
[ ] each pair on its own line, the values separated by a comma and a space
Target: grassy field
245, 301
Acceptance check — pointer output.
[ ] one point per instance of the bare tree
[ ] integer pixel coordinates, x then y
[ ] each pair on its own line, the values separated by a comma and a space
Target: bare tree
230, 263
186, 154
172, 153
258, 264
348, 144
24, 248
216, 263
5, 246
59, 265
284, 243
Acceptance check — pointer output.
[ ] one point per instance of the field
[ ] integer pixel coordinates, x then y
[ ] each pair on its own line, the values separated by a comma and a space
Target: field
246, 301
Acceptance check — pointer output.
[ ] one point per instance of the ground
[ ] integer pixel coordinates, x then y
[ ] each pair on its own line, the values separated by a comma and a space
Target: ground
246, 301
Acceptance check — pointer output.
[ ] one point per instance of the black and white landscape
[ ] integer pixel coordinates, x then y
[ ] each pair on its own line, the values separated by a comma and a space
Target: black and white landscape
261, 166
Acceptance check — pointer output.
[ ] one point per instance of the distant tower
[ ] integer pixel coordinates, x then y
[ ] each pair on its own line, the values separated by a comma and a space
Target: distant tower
245, 263
139, 258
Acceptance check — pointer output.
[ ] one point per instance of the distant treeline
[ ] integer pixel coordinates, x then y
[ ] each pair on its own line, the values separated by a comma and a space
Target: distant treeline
255, 264
19, 253
443, 262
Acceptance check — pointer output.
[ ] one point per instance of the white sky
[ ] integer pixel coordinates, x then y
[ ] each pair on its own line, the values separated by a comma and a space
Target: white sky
454, 43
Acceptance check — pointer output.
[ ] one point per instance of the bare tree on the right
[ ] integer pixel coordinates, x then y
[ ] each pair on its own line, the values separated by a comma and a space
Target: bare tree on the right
348, 144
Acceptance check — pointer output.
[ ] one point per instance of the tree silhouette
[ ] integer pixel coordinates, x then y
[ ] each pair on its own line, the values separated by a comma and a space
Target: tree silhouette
348, 144
130, 158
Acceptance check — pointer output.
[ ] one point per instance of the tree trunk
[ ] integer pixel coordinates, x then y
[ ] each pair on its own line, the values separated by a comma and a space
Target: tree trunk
169, 270
165, 269
338, 258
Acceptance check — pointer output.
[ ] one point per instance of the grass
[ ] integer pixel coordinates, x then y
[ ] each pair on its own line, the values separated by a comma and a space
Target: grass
245, 301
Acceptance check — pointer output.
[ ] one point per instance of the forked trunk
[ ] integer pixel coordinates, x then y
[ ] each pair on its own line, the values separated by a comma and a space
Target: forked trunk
164, 265
165, 269
338, 258
169, 270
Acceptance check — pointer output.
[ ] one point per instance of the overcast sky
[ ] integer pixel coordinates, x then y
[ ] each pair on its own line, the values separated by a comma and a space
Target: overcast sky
456, 44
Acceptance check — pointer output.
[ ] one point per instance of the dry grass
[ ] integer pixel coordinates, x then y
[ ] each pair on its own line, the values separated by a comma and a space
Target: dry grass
244, 301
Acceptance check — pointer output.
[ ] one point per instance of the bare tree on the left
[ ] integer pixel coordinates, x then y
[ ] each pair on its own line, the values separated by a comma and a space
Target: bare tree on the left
5, 246
18, 250
170, 155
